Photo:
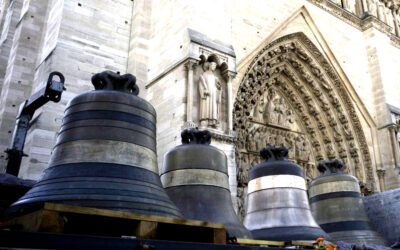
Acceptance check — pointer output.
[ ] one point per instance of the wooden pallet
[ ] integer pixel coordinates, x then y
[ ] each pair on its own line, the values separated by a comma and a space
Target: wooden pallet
59, 218
283, 244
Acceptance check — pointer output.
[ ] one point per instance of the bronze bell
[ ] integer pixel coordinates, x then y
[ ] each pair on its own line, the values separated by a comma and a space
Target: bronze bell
195, 175
105, 155
277, 203
337, 206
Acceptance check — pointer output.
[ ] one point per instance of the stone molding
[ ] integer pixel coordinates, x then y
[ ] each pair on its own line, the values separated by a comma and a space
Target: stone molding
226, 138
362, 23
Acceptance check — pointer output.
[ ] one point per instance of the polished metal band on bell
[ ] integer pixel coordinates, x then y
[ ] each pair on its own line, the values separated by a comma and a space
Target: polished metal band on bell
115, 107
93, 151
276, 181
184, 177
331, 187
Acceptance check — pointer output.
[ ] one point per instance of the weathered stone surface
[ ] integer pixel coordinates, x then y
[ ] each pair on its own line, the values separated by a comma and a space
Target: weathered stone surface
383, 212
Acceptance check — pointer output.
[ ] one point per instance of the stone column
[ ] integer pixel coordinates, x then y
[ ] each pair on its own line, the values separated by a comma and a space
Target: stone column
230, 77
381, 178
395, 145
364, 6
189, 65
381, 15
395, 21
345, 4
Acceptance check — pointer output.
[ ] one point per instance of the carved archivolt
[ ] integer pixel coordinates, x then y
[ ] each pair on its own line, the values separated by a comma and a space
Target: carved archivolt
309, 94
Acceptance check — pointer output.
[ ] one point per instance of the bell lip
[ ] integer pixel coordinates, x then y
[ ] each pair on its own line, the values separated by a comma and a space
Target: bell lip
26, 208
128, 96
303, 233
333, 177
279, 167
229, 218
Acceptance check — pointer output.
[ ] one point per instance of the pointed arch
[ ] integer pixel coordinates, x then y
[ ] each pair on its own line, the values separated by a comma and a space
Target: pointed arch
309, 84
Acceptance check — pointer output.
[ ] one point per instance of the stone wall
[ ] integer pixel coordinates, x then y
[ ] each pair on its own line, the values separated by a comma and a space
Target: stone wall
383, 212
89, 39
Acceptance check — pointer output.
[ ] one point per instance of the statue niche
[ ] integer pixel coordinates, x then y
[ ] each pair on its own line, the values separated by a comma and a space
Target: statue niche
210, 96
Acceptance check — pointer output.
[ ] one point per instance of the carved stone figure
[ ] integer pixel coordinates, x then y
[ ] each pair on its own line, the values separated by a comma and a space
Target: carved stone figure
210, 96
289, 118
372, 8
309, 171
242, 170
257, 138
347, 131
353, 150
259, 111
342, 151
289, 143
358, 170
271, 139
269, 115
330, 151
281, 112
302, 149
280, 139
264, 138
251, 142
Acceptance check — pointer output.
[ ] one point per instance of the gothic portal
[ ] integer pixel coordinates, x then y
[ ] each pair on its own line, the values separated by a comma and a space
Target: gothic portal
291, 96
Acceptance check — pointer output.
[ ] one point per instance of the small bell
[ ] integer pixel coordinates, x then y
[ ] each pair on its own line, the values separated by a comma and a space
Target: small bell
277, 203
337, 206
195, 175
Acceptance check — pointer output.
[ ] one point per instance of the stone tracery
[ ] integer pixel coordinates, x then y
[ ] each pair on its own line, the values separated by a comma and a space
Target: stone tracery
291, 96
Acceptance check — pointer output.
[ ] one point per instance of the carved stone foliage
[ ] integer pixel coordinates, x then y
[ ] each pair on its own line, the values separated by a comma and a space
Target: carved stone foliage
291, 96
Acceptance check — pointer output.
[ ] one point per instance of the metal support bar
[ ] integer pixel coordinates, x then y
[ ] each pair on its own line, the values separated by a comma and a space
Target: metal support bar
51, 92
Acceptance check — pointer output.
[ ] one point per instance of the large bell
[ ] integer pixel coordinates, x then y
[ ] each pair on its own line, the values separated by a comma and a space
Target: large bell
277, 203
195, 175
105, 156
338, 208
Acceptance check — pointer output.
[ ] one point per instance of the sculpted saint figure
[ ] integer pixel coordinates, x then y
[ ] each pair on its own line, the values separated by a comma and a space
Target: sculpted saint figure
269, 114
210, 96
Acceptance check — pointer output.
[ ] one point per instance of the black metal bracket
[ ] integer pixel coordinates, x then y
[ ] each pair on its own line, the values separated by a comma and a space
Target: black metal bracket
51, 92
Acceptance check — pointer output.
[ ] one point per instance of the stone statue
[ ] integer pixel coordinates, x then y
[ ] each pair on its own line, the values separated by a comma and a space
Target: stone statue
251, 142
372, 8
280, 139
259, 112
257, 138
210, 96
302, 148
271, 139
269, 115
289, 142
279, 110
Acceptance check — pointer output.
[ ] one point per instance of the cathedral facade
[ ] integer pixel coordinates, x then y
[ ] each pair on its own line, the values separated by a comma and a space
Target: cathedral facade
320, 77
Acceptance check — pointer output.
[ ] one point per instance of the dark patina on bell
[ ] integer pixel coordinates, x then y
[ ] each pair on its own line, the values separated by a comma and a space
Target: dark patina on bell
105, 155
337, 206
195, 175
277, 202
